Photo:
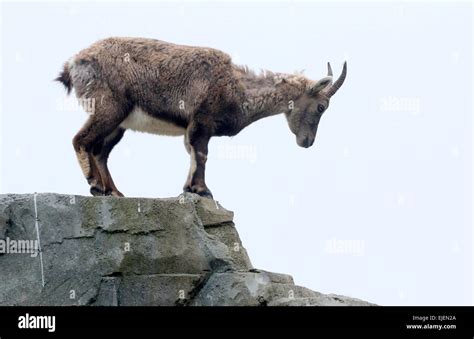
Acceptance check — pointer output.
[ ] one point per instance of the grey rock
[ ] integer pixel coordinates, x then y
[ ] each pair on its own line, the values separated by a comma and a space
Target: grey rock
157, 290
320, 300
227, 234
107, 251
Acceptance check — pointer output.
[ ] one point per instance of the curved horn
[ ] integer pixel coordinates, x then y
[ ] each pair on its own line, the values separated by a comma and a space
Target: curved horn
333, 89
329, 70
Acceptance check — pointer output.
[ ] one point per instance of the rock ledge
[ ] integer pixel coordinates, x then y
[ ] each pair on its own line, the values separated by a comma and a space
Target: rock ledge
110, 251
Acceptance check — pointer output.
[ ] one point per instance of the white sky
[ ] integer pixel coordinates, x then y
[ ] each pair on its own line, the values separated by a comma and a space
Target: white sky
379, 209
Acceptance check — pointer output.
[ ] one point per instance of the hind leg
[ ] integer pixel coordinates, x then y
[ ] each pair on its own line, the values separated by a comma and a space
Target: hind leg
100, 155
105, 118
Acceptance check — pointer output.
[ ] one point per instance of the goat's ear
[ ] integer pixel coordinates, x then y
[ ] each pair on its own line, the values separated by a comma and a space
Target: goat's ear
317, 86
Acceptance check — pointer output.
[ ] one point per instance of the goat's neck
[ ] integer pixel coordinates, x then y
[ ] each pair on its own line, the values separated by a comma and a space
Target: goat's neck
267, 101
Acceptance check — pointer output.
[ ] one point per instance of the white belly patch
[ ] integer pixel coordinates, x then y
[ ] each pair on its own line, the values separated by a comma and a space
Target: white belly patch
138, 120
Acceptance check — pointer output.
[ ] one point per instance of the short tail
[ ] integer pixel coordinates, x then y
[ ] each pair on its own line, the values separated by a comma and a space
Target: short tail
65, 78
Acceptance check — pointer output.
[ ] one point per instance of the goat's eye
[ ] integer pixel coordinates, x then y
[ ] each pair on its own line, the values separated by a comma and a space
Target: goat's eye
321, 108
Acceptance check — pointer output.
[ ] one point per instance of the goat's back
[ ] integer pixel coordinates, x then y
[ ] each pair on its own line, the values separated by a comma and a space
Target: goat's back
156, 75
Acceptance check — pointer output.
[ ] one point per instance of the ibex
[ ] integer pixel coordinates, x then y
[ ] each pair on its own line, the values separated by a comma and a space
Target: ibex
157, 87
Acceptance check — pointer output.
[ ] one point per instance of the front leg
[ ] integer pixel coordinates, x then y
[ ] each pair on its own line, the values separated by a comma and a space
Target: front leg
196, 142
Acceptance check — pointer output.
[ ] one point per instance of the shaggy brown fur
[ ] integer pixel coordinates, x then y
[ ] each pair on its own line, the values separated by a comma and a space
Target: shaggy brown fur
163, 88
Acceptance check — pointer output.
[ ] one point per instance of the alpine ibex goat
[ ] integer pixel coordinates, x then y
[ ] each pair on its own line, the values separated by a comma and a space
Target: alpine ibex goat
157, 87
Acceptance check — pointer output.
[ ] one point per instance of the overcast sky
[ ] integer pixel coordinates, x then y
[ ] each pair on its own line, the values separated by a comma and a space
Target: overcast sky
380, 208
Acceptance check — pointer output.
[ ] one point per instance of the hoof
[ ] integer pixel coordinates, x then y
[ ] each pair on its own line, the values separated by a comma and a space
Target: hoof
202, 191
96, 191
206, 194
113, 193
116, 194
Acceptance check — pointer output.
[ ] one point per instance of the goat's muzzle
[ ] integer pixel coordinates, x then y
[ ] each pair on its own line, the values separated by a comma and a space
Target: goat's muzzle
306, 142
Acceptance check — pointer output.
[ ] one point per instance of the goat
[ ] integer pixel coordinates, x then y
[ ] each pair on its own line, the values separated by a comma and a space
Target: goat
158, 87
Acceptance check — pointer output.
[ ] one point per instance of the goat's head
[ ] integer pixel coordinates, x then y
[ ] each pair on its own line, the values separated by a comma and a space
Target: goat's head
304, 113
